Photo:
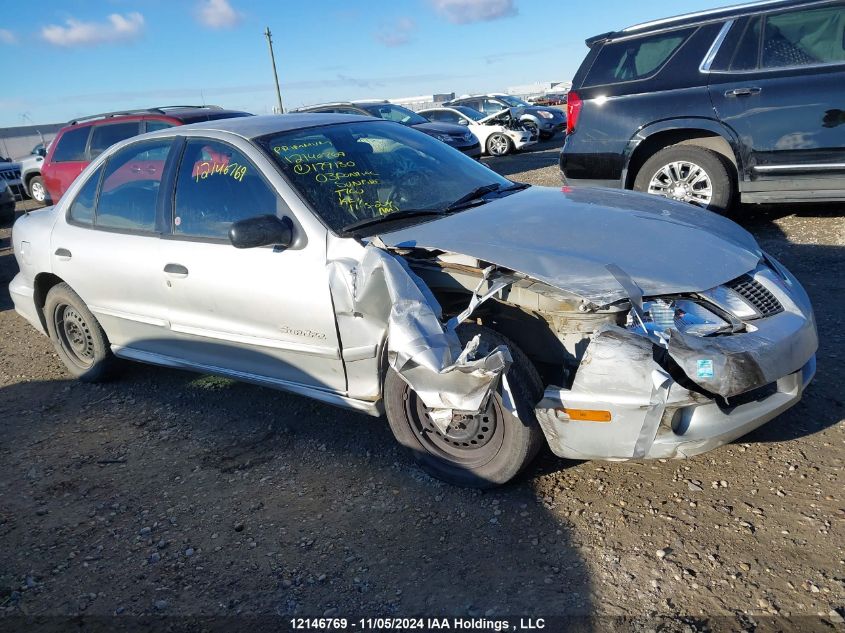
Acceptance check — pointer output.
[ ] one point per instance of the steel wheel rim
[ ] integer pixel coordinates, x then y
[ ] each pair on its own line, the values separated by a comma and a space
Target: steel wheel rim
684, 181
469, 442
38, 193
74, 335
498, 145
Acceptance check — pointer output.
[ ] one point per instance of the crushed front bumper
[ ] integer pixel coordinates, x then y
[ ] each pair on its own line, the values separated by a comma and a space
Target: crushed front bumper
659, 406
687, 424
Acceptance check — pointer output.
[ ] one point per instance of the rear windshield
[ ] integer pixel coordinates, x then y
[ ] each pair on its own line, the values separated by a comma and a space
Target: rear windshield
634, 59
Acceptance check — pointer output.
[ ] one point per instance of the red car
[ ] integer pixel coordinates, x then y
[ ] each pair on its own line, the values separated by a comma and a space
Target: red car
82, 140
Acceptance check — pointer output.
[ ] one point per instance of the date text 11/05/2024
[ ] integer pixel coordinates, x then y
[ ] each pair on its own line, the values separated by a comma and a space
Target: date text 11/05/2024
417, 624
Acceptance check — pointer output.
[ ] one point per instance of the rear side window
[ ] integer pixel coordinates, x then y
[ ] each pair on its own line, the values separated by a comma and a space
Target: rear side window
82, 208
71, 145
104, 136
129, 195
634, 59
804, 38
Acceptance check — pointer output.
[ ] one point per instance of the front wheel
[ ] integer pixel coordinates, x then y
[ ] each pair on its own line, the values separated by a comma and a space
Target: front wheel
499, 144
688, 174
77, 335
479, 451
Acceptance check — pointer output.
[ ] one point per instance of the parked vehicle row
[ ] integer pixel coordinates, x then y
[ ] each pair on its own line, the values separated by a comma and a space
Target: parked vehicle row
363, 263
498, 134
744, 103
542, 120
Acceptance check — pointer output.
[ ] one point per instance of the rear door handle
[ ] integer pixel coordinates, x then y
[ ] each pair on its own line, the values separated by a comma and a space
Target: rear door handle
177, 270
63, 254
743, 92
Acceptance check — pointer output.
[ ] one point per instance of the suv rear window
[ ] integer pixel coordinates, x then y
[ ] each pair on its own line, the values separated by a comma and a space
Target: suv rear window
71, 145
633, 59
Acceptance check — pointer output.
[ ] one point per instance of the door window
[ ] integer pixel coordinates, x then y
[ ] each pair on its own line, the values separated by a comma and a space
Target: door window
129, 194
747, 52
444, 116
216, 186
71, 145
491, 106
803, 38
155, 126
82, 208
104, 136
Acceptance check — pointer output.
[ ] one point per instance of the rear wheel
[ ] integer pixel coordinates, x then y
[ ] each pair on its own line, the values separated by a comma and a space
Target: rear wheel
37, 191
688, 174
479, 451
499, 144
77, 335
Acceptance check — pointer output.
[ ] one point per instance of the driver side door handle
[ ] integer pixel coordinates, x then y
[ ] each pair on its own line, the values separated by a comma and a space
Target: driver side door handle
743, 92
176, 270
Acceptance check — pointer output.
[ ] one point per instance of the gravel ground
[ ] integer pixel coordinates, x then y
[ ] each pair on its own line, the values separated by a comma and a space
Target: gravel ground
167, 492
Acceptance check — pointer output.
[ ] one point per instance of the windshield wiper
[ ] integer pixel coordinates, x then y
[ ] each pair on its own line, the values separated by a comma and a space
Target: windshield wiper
476, 194
391, 217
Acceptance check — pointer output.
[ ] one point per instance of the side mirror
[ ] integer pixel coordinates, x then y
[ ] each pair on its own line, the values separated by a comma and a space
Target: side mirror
262, 230
463, 122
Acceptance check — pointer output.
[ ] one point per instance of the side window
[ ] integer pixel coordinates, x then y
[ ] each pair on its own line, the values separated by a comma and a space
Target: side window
82, 207
633, 59
747, 52
803, 38
154, 126
71, 145
218, 185
444, 116
104, 136
491, 106
129, 195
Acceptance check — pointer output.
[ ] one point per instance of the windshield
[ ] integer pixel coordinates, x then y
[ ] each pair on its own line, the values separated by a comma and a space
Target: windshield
514, 102
472, 113
391, 112
350, 172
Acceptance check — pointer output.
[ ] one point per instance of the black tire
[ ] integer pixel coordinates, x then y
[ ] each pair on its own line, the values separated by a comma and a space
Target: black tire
720, 173
462, 457
546, 136
37, 191
77, 336
529, 125
499, 144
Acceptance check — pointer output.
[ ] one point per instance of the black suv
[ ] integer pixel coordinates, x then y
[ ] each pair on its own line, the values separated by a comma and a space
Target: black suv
454, 135
745, 101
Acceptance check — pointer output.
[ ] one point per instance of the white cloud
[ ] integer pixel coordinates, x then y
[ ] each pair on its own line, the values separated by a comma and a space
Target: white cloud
217, 14
7, 37
468, 11
396, 33
116, 28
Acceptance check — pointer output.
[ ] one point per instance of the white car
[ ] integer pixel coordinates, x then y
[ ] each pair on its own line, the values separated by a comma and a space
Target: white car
499, 134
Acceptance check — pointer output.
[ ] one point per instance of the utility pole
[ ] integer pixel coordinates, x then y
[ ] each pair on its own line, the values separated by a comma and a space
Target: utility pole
275, 74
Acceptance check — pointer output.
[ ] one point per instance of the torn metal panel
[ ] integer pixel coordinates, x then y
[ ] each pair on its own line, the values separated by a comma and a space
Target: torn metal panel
566, 238
378, 293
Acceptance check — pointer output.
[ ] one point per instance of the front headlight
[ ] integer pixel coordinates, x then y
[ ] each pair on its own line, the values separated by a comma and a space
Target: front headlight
684, 315
546, 115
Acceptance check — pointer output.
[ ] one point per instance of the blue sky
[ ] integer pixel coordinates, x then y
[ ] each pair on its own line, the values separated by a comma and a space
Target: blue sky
76, 57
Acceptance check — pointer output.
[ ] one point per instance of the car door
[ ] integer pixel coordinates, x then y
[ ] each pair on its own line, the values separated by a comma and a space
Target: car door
108, 248
782, 94
261, 314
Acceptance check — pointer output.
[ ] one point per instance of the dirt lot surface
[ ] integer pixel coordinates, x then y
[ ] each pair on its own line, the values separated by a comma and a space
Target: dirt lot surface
172, 493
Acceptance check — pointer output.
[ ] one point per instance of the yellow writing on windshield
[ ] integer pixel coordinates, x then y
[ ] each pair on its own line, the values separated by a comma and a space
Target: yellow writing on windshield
302, 169
207, 168
280, 149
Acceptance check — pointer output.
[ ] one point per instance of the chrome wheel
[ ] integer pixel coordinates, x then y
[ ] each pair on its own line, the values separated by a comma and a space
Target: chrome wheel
498, 145
683, 181
74, 335
37, 191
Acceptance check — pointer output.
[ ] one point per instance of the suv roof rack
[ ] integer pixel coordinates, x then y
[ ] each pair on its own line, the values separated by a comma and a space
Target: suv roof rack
156, 110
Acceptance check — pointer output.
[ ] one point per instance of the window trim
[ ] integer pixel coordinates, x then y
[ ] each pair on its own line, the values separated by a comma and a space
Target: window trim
710, 57
170, 211
104, 165
69, 218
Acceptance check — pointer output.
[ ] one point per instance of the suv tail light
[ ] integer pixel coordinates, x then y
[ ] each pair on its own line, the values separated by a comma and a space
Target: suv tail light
573, 110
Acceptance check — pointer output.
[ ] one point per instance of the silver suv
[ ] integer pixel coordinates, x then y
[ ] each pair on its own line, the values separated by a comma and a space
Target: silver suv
365, 264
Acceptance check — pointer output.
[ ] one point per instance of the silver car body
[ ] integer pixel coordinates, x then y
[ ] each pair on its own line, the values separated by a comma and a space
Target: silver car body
320, 318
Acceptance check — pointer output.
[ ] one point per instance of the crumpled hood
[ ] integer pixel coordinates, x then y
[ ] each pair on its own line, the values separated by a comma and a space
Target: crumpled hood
567, 237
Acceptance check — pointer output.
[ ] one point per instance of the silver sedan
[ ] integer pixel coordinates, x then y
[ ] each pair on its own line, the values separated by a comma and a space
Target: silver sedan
364, 264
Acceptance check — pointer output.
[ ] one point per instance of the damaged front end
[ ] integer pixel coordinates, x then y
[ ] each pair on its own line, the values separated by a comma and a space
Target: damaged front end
687, 373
